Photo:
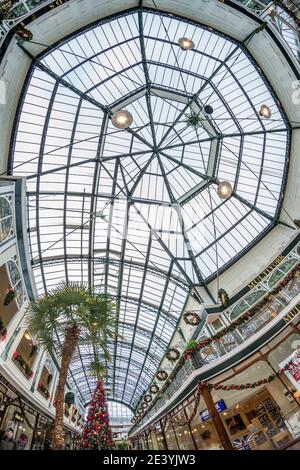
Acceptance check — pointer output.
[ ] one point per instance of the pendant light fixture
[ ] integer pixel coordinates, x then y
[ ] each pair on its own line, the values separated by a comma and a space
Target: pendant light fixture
122, 119
186, 44
224, 190
265, 111
208, 109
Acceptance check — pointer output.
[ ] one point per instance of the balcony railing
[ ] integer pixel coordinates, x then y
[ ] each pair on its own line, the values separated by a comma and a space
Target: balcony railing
216, 350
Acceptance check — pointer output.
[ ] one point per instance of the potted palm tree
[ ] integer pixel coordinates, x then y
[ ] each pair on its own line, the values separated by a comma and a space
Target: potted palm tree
61, 319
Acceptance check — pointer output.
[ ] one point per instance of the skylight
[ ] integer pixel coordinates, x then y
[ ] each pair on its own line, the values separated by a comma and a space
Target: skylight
136, 213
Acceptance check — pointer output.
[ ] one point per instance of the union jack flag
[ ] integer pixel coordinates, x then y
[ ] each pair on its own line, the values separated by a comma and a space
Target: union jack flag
243, 443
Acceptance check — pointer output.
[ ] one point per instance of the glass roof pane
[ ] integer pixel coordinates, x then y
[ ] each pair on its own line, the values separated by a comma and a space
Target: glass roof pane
135, 212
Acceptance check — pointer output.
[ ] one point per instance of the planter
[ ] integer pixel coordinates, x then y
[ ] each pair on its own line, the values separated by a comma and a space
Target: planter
10, 296
43, 391
22, 365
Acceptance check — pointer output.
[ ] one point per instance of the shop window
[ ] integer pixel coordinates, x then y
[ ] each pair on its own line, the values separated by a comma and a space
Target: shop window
217, 324
246, 303
9, 305
45, 382
182, 430
288, 397
281, 271
16, 280
161, 443
43, 436
255, 419
170, 436
22, 422
6, 218
25, 355
202, 428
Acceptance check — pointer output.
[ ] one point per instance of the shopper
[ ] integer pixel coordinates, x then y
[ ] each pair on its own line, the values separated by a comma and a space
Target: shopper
22, 442
8, 442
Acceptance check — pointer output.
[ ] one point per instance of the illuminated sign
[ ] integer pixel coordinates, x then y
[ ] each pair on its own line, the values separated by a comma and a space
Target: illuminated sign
220, 406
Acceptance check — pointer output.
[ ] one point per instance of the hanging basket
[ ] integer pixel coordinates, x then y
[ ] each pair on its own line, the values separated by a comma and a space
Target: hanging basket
70, 398
191, 318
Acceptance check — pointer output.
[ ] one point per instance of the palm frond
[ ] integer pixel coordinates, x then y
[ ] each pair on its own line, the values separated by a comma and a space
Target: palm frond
96, 369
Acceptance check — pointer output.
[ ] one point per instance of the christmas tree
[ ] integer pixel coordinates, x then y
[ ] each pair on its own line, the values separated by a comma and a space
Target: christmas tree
97, 434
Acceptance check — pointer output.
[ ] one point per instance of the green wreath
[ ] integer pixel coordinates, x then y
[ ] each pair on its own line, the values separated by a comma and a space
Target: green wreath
161, 375
154, 388
223, 297
191, 318
173, 355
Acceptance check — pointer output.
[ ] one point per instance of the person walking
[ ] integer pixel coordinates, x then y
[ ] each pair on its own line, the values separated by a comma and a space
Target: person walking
22, 442
8, 442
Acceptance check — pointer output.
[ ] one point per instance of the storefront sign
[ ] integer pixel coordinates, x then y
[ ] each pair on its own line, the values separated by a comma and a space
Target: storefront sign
220, 406
293, 374
266, 271
291, 315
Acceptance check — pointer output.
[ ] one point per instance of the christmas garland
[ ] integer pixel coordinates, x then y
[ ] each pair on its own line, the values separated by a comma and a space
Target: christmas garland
226, 388
191, 318
247, 386
23, 33
194, 345
173, 355
194, 412
161, 375
243, 318
223, 297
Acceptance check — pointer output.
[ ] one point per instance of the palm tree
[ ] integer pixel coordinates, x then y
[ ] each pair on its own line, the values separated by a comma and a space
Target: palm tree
63, 318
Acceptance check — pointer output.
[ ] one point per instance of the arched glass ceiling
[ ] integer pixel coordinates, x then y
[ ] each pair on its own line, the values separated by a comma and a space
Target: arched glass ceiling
135, 212
119, 414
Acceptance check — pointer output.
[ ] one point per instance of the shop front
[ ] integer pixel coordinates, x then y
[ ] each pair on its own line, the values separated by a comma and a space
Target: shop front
245, 416
31, 428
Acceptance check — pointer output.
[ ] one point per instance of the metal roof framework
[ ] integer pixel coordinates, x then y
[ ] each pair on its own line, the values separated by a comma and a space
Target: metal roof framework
135, 213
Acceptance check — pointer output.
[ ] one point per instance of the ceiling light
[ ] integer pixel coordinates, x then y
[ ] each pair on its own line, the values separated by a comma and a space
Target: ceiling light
224, 190
122, 119
208, 109
186, 44
265, 111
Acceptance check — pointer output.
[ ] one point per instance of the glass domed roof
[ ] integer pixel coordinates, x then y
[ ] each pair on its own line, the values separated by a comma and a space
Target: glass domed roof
135, 212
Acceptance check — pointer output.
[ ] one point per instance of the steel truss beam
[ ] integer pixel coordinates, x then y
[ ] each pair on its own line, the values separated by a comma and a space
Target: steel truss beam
155, 150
